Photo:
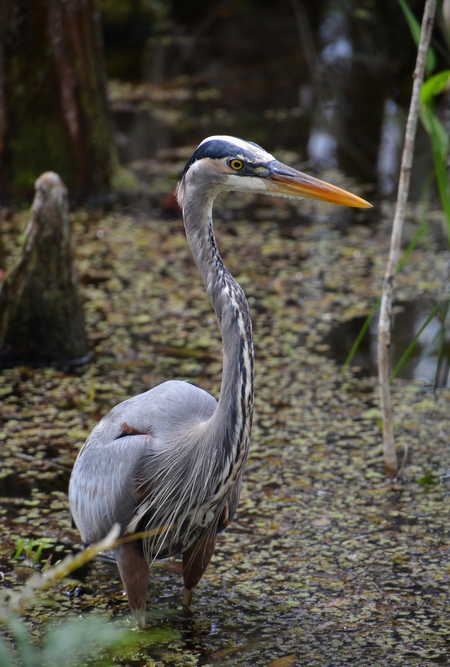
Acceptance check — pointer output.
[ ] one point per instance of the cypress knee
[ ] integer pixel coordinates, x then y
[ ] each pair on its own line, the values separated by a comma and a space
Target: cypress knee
41, 315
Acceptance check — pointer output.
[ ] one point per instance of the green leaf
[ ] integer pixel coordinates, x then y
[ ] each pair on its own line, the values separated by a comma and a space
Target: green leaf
5, 657
81, 638
28, 654
435, 85
415, 29
440, 147
436, 130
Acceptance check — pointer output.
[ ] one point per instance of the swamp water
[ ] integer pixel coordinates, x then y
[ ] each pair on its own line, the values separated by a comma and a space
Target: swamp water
325, 564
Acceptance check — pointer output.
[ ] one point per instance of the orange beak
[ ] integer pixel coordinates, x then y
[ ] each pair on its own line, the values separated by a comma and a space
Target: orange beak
288, 181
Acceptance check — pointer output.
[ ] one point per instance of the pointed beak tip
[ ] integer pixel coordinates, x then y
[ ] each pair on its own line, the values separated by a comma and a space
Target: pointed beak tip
362, 203
352, 201
297, 184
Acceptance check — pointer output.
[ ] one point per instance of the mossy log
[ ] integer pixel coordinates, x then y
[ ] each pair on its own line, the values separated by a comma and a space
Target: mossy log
41, 314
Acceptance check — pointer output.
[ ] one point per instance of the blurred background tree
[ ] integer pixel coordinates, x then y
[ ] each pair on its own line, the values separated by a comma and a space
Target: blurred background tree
325, 79
53, 110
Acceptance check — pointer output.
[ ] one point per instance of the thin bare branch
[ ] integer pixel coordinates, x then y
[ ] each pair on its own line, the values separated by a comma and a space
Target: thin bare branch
384, 326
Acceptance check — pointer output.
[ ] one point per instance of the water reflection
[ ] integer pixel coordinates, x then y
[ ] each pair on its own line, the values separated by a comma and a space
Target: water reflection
428, 361
210, 71
337, 49
391, 142
322, 148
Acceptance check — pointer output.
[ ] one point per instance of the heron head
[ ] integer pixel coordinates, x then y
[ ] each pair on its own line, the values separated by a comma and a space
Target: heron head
227, 163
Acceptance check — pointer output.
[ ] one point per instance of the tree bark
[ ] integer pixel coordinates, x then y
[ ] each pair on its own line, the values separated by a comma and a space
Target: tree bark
4, 20
41, 315
53, 107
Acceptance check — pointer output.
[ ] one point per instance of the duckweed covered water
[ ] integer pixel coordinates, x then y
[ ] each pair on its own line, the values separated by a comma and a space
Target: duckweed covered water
325, 563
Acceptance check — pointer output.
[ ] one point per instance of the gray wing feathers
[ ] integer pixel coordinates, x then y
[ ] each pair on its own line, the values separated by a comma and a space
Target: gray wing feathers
114, 470
103, 489
161, 412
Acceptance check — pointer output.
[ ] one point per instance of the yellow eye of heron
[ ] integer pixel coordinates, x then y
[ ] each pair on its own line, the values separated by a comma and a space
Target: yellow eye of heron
236, 164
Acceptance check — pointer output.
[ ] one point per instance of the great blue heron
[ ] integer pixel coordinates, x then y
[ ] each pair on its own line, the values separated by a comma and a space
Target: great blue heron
170, 461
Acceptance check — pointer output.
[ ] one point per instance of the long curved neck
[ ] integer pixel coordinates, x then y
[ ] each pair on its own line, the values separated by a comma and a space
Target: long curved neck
233, 417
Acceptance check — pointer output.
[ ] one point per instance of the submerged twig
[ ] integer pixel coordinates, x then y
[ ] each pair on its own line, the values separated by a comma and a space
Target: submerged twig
384, 326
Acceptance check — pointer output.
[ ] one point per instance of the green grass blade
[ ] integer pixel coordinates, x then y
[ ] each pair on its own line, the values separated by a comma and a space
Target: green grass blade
19, 549
440, 144
415, 29
412, 245
30, 546
376, 305
443, 359
37, 555
360, 336
413, 343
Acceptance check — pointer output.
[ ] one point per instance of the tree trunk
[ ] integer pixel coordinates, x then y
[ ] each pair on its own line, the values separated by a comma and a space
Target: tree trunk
41, 316
4, 20
53, 109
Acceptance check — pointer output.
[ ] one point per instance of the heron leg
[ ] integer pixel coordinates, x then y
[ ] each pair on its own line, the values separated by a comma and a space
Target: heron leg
195, 561
135, 573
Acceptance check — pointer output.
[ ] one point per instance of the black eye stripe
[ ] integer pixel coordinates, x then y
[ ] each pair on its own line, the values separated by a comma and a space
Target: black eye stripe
217, 149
